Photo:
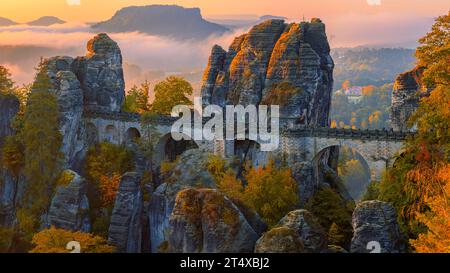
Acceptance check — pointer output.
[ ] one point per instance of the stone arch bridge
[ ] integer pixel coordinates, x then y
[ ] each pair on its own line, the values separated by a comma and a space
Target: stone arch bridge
377, 147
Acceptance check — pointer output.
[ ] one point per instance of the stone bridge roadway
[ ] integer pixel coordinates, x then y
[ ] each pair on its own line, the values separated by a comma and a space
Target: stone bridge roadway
299, 143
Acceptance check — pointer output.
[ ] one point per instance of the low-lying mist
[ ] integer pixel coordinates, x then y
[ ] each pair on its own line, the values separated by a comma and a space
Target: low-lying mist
145, 57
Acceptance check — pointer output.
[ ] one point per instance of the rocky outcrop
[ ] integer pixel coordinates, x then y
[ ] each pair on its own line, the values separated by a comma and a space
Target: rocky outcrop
303, 173
189, 172
275, 63
70, 102
376, 221
69, 208
297, 232
9, 106
93, 82
206, 221
125, 230
280, 240
306, 225
408, 89
101, 75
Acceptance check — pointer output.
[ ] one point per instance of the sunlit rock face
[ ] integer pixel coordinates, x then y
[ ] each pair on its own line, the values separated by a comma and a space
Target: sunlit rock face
408, 89
275, 63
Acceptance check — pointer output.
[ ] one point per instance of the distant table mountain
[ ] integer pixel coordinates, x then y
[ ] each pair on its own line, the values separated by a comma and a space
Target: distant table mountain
162, 20
46, 21
5, 22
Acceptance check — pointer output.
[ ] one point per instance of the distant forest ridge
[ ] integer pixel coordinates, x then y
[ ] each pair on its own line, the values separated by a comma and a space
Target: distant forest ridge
364, 66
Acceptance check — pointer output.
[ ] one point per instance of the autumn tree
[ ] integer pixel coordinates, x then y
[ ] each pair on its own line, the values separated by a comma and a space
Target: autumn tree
55, 240
6, 83
434, 52
437, 219
137, 99
105, 164
270, 190
412, 184
169, 93
42, 142
346, 84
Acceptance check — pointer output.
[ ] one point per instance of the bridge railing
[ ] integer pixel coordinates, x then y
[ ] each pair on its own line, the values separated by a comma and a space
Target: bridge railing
298, 130
369, 134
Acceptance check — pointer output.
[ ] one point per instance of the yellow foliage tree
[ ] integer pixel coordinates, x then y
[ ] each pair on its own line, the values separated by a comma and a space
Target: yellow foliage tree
271, 191
437, 220
55, 240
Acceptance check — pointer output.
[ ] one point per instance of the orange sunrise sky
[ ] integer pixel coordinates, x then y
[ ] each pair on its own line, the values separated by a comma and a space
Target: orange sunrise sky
95, 10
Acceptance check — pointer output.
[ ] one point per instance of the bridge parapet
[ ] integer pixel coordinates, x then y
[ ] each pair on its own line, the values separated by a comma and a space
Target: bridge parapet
387, 135
126, 117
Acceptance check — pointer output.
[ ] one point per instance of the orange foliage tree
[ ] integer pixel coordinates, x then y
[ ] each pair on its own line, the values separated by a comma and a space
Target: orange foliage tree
55, 240
437, 220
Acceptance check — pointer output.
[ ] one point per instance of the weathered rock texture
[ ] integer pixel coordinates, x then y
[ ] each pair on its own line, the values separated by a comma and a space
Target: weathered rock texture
206, 221
125, 230
408, 89
303, 173
9, 106
275, 63
101, 75
69, 208
376, 221
189, 172
308, 228
94, 82
280, 240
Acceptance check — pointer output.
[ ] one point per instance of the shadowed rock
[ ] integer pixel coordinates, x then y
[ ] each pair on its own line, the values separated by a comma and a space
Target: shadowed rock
125, 230
206, 221
308, 228
376, 221
70, 207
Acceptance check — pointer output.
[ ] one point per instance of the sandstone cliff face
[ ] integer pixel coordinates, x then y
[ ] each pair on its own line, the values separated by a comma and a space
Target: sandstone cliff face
94, 82
189, 172
101, 75
376, 221
275, 63
307, 226
9, 106
206, 221
125, 230
408, 89
70, 206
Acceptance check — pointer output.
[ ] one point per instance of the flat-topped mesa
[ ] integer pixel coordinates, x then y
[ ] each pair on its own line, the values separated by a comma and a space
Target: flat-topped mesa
275, 64
408, 89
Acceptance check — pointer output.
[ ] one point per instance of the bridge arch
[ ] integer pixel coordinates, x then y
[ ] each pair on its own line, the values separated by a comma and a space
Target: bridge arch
353, 169
169, 149
132, 135
111, 134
